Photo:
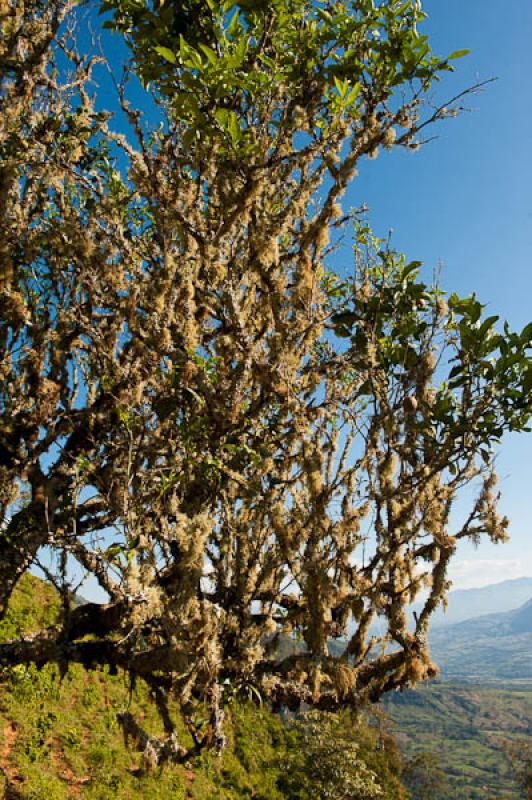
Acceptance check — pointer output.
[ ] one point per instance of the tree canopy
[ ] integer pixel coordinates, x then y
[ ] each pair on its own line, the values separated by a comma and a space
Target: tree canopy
242, 442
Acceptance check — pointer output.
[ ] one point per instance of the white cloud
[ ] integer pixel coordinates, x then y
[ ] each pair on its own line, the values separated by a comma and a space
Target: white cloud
473, 573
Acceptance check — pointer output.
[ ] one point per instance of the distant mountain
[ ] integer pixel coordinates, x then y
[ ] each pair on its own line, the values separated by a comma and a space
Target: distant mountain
468, 603
521, 619
506, 623
489, 647
486, 634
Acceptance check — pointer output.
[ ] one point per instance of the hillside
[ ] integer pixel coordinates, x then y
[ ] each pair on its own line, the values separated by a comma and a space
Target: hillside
59, 739
466, 728
486, 648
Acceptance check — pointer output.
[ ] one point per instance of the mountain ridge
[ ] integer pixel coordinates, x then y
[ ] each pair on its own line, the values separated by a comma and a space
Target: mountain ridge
500, 623
488, 647
464, 604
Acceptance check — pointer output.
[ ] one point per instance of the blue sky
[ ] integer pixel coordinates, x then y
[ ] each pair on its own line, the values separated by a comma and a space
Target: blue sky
465, 201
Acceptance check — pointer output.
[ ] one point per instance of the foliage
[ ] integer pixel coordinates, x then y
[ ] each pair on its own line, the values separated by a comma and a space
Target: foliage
424, 777
234, 440
234, 83
520, 755
341, 758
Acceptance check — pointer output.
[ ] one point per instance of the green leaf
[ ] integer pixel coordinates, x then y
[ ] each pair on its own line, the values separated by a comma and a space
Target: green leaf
189, 137
526, 333
325, 16
342, 87
209, 52
233, 127
82, 464
221, 115
458, 54
410, 268
527, 380
353, 94
486, 325
113, 551
402, 8
133, 543
166, 53
254, 692
234, 25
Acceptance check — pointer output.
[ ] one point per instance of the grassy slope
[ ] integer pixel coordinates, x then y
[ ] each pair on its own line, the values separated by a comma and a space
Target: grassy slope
464, 726
59, 737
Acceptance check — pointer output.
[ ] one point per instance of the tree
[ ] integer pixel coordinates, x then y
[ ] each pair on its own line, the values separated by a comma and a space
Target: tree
234, 439
519, 753
423, 775
329, 765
